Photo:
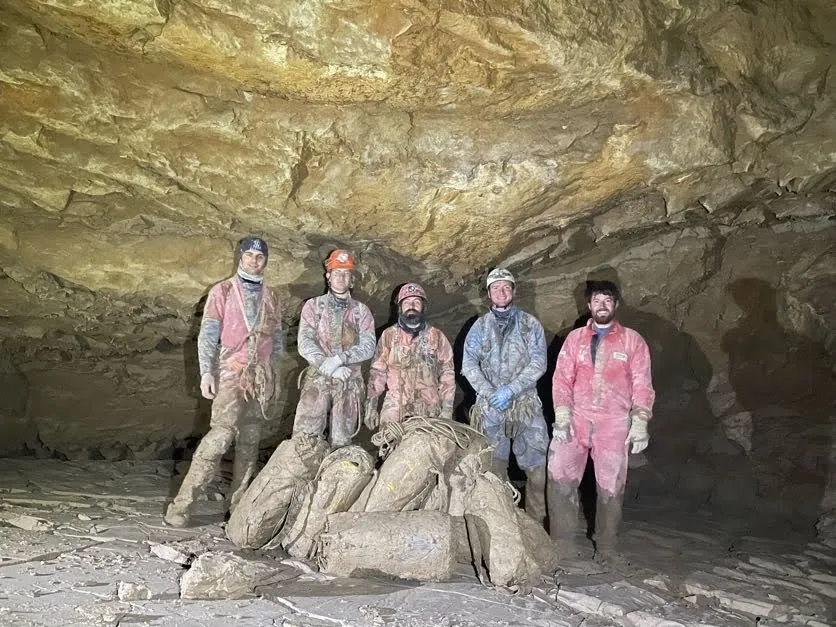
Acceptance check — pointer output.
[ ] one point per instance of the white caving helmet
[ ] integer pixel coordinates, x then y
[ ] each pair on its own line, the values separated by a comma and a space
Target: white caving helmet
500, 274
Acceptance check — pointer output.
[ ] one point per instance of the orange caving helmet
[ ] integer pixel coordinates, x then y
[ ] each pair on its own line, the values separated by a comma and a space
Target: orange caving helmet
409, 290
340, 260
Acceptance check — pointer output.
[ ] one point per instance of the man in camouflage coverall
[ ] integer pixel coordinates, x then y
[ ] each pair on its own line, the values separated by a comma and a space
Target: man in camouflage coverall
413, 363
240, 339
504, 356
336, 334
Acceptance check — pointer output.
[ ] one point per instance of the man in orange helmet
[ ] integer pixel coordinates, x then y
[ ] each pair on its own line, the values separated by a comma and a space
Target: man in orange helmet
413, 362
336, 335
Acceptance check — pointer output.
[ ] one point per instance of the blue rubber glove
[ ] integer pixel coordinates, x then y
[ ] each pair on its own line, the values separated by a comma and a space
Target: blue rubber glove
501, 399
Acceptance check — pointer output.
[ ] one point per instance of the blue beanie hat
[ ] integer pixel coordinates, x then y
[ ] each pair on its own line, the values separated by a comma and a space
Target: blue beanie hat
253, 243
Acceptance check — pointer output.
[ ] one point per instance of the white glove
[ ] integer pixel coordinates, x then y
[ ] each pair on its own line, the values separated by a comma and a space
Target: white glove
330, 364
563, 435
343, 373
208, 386
638, 435
562, 431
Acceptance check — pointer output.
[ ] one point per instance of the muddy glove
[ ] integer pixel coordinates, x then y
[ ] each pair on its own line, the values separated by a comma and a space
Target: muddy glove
343, 373
208, 386
330, 364
501, 399
562, 432
371, 418
638, 436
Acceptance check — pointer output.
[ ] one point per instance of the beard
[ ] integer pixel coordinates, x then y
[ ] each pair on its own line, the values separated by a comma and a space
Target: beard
412, 317
603, 316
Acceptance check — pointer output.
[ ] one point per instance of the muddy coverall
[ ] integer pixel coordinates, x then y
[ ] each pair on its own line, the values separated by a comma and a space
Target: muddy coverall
600, 397
416, 372
512, 355
329, 326
240, 339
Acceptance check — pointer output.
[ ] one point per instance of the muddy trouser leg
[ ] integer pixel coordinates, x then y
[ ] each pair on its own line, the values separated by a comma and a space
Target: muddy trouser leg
535, 493
212, 447
567, 462
493, 424
345, 414
607, 520
564, 509
499, 467
246, 453
314, 403
609, 454
531, 448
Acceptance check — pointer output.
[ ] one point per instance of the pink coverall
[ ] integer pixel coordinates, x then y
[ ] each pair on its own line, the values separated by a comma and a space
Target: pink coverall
245, 386
600, 397
239, 344
418, 374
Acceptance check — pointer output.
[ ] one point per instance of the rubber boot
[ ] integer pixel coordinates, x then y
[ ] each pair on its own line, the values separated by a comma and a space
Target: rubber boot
177, 514
607, 521
205, 462
244, 465
499, 467
535, 493
563, 516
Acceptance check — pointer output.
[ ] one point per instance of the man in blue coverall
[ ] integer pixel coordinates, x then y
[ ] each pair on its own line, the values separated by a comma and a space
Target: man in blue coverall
504, 356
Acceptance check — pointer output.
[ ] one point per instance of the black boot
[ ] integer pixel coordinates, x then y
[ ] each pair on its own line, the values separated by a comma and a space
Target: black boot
563, 517
607, 521
535, 493
499, 467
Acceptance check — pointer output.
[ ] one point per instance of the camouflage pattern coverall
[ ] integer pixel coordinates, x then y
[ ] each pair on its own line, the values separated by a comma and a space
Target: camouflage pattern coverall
514, 356
416, 372
328, 326
246, 319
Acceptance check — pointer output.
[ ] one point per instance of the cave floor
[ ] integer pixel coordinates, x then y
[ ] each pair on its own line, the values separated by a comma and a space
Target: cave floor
76, 535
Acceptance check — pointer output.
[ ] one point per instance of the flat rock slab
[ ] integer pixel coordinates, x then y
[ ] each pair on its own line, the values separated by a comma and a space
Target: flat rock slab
215, 576
118, 564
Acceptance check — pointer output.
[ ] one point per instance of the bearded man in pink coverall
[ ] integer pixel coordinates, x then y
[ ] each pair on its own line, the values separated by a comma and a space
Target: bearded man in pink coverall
603, 399
239, 342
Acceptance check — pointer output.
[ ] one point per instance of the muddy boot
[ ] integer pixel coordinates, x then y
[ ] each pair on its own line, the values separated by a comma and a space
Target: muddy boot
499, 467
177, 515
244, 465
205, 462
535, 493
607, 520
563, 517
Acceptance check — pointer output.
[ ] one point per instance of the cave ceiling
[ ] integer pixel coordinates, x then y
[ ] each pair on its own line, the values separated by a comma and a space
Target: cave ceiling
139, 139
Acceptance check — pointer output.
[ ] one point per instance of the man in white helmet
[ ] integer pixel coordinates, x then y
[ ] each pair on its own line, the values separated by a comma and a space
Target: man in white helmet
504, 356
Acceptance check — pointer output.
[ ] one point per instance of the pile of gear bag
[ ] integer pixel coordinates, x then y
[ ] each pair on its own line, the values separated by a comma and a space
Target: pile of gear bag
432, 504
